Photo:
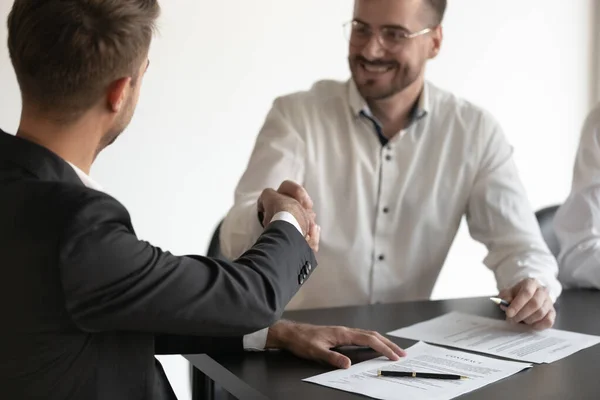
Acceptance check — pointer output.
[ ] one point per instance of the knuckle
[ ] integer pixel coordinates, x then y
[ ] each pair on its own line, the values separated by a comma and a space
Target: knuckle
530, 282
376, 335
538, 315
299, 193
528, 291
372, 339
341, 331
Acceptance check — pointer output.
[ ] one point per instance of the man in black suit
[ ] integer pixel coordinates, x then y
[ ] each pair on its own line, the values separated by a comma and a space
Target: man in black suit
85, 304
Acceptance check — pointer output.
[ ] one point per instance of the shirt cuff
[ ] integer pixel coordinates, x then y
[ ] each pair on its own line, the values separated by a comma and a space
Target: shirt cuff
256, 341
287, 217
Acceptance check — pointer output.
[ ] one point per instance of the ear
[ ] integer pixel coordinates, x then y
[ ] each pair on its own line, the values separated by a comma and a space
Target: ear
117, 94
436, 40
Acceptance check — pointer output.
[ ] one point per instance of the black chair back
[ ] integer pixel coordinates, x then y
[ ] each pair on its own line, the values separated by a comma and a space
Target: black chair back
214, 248
545, 219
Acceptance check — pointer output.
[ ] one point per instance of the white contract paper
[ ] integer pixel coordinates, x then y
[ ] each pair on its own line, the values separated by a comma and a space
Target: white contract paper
362, 378
498, 337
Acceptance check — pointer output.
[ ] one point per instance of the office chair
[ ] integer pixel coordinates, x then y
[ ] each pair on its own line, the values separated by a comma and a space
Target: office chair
214, 248
545, 219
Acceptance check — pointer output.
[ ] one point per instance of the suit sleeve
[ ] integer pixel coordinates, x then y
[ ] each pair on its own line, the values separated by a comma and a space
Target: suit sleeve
114, 281
175, 344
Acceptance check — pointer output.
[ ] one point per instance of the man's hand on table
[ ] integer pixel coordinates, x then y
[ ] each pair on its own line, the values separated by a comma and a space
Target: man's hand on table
529, 303
314, 342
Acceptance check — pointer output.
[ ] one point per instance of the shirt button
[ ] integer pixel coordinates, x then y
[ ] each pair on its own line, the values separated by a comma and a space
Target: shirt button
386, 210
388, 157
381, 257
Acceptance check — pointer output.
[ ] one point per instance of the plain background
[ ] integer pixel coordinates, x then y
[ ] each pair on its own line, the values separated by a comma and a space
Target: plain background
216, 67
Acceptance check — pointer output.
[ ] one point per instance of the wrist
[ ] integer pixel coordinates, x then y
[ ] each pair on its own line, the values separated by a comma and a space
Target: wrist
278, 332
289, 217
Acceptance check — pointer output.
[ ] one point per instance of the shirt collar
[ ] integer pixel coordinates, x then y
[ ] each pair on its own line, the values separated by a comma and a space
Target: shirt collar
85, 179
359, 105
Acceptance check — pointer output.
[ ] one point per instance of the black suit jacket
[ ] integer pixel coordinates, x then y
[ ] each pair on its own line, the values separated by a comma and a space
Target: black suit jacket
85, 305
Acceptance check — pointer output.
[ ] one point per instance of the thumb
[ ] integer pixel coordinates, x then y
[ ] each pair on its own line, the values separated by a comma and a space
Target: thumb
313, 237
506, 294
336, 359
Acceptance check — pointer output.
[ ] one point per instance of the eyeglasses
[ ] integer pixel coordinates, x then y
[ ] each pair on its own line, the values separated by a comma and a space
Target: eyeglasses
390, 38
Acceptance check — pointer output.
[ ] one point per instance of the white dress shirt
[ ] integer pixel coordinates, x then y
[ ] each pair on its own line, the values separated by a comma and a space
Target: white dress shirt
388, 214
577, 223
252, 342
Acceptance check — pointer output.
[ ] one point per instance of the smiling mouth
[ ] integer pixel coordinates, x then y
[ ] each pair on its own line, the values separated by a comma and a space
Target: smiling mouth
376, 69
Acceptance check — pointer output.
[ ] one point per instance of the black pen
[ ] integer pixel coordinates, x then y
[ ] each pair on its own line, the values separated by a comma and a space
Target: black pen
500, 302
425, 375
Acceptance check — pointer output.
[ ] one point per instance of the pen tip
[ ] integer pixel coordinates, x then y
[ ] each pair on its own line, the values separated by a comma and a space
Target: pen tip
495, 300
378, 373
464, 377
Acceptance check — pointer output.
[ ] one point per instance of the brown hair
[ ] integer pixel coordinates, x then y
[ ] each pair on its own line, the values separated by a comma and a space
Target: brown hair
439, 8
66, 52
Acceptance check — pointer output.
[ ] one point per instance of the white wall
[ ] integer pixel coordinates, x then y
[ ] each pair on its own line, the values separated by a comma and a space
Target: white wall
217, 65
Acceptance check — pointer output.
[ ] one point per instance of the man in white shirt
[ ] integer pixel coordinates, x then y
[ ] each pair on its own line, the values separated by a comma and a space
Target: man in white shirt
577, 222
392, 164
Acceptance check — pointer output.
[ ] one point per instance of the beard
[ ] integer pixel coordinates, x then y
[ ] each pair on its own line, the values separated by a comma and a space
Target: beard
391, 78
121, 123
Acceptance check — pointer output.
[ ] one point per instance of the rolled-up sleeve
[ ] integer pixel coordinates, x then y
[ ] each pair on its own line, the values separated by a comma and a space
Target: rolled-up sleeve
500, 216
278, 155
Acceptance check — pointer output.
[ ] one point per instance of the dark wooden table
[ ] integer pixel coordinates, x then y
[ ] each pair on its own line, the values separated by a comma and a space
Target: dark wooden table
278, 375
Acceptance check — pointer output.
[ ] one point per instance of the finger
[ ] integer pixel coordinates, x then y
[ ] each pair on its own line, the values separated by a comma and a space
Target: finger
263, 203
539, 314
260, 203
526, 291
395, 348
314, 237
547, 321
372, 341
506, 294
533, 305
292, 189
332, 358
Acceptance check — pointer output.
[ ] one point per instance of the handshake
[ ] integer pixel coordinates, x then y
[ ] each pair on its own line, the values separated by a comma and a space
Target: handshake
294, 199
